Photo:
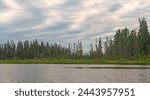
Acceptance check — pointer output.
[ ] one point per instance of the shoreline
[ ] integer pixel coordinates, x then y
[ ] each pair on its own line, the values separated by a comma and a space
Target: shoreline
77, 61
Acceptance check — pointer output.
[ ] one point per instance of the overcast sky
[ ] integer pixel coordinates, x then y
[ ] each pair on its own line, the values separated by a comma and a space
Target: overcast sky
68, 20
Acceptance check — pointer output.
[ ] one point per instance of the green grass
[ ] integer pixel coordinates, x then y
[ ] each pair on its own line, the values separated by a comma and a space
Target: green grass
142, 61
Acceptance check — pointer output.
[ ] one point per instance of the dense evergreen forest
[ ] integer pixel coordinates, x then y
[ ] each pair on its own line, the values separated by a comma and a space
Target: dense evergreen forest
35, 49
125, 44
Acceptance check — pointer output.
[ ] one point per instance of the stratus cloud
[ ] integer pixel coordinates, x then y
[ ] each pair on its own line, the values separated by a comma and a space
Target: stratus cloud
80, 17
91, 3
11, 11
51, 17
48, 10
89, 8
126, 8
50, 3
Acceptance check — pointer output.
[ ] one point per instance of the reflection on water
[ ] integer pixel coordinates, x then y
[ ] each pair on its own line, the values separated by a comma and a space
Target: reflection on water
50, 73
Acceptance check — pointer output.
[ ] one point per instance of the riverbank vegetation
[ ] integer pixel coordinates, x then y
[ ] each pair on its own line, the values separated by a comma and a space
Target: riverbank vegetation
141, 61
126, 47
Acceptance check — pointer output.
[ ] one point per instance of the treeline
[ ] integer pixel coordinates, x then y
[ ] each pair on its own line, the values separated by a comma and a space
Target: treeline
125, 44
34, 49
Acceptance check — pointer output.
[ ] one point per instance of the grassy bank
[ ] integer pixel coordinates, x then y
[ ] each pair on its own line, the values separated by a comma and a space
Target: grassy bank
76, 61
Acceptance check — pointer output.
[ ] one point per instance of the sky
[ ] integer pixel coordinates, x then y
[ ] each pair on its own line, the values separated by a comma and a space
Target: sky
68, 21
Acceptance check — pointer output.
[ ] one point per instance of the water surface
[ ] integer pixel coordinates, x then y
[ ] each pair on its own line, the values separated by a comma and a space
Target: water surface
61, 73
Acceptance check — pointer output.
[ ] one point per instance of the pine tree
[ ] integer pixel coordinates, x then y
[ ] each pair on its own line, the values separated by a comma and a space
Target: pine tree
144, 37
133, 47
99, 50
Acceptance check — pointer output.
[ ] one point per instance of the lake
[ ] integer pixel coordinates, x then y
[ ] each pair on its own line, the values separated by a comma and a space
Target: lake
61, 73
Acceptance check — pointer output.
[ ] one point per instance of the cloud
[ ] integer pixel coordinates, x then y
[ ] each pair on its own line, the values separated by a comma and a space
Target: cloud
69, 20
9, 10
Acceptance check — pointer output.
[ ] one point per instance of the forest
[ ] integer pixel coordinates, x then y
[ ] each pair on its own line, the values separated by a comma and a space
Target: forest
125, 44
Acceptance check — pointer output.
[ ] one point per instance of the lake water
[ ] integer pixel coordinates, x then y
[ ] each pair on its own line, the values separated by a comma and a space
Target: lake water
61, 73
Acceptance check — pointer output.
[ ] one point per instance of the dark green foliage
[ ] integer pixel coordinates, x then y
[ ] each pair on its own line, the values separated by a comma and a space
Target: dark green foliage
97, 53
128, 44
35, 49
133, 45
144, 37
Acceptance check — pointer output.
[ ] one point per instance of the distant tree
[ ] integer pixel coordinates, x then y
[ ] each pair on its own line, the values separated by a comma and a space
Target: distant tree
133, 45
26, 49
109, 48
19, 51
91, 49
144, 37
99, 49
